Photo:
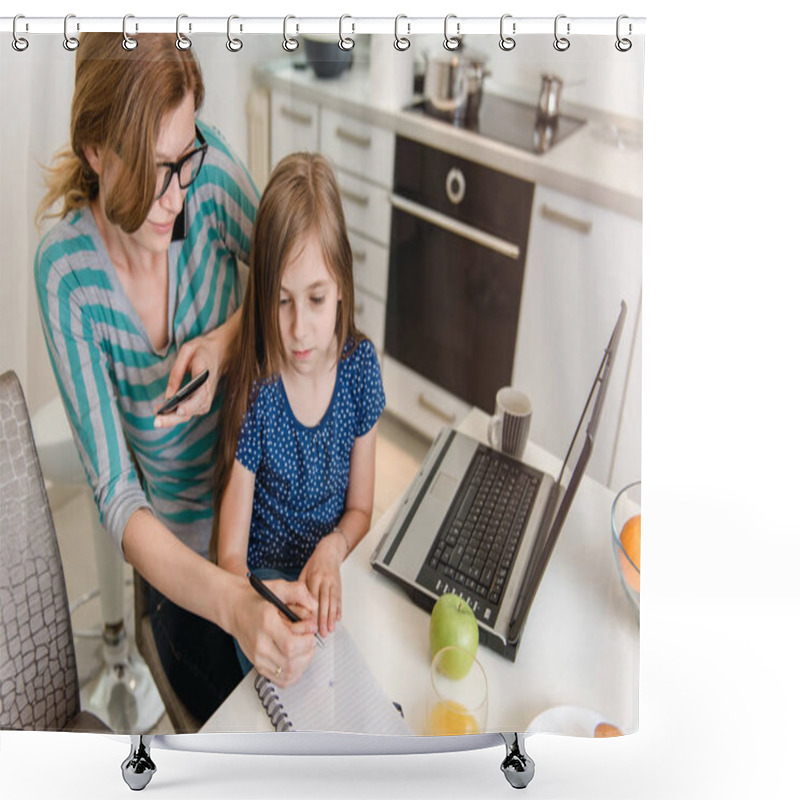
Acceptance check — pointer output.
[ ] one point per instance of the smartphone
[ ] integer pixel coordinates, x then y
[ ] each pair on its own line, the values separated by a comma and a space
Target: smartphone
183, 394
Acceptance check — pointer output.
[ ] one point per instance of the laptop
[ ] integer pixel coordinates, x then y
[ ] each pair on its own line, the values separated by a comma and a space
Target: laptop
482, 524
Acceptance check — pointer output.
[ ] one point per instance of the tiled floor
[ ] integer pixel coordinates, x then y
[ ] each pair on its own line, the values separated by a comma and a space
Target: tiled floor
400, 451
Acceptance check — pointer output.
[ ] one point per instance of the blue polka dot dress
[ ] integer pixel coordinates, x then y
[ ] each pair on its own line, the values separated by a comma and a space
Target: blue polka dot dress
302, 473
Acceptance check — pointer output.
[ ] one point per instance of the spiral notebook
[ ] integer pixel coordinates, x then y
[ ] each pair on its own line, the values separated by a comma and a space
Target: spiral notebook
338, 692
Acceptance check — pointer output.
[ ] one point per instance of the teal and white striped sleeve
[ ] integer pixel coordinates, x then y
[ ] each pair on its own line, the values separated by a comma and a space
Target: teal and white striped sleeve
71, 291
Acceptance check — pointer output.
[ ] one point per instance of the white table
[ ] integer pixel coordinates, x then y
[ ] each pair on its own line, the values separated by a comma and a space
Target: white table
580, 645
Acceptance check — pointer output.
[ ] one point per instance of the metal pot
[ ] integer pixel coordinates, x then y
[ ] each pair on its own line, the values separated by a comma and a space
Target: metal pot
453, 86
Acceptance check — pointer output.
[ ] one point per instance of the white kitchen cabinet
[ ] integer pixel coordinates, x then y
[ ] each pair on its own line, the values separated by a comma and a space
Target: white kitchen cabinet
366, 207
370, 265
358, 147
370, 317
418, 402
294, 126
582, 260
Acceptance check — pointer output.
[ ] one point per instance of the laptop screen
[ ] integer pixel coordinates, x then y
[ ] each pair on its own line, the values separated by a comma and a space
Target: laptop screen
572, 471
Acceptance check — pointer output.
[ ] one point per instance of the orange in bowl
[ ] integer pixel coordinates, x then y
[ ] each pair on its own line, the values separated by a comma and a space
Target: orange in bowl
626, 534
631, 540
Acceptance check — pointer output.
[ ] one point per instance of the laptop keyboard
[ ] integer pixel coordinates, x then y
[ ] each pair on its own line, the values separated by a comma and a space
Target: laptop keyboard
475, 548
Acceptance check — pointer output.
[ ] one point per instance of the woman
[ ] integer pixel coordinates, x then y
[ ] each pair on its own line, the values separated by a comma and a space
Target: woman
138, 285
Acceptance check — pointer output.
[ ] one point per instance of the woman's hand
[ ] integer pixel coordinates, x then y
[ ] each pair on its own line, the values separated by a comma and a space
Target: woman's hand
321, 575
280, 650
209, 351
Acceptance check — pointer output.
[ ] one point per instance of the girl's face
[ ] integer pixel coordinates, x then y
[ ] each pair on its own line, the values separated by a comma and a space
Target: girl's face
309, 302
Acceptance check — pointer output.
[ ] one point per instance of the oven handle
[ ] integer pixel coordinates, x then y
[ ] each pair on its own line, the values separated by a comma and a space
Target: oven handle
454, 226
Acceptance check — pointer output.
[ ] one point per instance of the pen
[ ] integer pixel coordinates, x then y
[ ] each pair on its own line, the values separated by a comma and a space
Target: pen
271, 597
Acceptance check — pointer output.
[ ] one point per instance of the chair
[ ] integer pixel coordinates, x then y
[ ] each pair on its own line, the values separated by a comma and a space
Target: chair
181, 718
38, 674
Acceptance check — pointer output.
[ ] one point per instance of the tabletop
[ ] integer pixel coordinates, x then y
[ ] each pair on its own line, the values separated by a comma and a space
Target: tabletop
580, 644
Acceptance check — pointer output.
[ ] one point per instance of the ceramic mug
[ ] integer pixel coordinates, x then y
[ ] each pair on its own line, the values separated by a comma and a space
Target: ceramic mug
511, 423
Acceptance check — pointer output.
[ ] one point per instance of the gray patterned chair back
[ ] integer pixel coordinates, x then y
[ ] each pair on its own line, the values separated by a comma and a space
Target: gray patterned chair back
38, 677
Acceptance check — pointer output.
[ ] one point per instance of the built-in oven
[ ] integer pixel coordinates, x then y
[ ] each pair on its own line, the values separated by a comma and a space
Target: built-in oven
459, 235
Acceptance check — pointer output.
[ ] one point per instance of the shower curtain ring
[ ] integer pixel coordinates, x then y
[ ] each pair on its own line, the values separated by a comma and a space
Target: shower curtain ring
623, 45
18, 42
451, 42
70, 42
401, 43
561, 43
128, 42
345, 42
233, 44
182, 42
507, 42
290, 44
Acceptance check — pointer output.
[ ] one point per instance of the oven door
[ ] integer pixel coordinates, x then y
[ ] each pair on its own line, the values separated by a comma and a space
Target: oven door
453, 302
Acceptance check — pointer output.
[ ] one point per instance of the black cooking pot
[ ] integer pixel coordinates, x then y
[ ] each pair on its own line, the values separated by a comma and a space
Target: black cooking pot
324, 55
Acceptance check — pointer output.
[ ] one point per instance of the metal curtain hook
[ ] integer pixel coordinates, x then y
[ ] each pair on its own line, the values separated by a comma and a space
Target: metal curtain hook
70, 42
623, 45
18, 42
182, 42
451, 42
507, 42
233, 44
290, 44
128, 42
401, 42
561, 43
345, 42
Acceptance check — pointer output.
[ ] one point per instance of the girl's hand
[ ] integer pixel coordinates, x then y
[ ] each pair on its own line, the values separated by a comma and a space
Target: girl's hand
280, 650
321, 575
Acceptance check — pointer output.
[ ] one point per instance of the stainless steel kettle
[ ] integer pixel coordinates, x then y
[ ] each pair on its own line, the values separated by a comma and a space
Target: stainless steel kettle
550, 97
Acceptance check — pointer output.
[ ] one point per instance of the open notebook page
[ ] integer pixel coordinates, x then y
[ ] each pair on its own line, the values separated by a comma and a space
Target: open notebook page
338, 692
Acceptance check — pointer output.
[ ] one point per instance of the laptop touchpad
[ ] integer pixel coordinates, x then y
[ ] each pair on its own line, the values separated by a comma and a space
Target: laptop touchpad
444, 487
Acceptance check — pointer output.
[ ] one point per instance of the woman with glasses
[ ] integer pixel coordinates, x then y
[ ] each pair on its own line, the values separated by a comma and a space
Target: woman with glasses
138, 287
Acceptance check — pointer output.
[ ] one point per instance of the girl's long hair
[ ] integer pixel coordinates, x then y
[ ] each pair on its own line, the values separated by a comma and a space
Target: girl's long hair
301, 200
120, 99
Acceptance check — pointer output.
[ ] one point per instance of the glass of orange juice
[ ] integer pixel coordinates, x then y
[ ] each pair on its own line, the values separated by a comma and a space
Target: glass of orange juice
456, 705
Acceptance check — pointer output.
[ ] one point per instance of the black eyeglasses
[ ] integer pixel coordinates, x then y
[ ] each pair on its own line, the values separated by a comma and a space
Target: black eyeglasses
187, 168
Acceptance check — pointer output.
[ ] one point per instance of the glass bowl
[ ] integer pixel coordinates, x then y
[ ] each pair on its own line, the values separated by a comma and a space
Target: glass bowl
626, 506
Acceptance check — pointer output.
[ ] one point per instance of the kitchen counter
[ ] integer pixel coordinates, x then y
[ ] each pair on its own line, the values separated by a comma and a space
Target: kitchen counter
582, 165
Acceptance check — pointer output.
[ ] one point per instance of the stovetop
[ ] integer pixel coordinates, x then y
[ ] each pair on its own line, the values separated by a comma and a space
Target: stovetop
512, 123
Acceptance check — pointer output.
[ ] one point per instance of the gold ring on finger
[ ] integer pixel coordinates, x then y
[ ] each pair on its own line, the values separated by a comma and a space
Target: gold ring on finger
278, 671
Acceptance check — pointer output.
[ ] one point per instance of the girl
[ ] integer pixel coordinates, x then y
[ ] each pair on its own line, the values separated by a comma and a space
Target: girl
296, 471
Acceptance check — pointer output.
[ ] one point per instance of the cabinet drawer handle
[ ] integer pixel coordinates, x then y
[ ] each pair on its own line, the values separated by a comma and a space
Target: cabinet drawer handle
359, 255
296, 116
353, 138
559, 217
429, 405
353, 197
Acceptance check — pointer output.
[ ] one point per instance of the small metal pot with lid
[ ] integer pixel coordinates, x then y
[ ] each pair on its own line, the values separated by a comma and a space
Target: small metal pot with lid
453, 85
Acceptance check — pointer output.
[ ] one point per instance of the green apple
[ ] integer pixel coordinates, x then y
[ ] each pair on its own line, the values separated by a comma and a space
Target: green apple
454, 625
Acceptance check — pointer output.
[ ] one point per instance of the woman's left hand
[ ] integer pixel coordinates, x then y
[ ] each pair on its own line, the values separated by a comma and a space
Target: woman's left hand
322, 577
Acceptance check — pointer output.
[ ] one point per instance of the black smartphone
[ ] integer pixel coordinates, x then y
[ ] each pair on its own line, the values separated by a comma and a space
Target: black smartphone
182, 394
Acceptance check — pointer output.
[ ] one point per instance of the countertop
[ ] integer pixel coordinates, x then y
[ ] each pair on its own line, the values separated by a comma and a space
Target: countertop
582, 165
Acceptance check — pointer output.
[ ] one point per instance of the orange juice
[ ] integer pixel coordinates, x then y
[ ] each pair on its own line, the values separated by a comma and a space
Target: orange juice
449, 718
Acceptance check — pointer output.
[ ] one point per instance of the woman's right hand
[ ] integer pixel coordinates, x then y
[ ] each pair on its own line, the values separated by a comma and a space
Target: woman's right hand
279, 649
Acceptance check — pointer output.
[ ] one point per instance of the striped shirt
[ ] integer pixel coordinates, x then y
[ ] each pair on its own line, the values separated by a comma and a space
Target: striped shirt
110, 376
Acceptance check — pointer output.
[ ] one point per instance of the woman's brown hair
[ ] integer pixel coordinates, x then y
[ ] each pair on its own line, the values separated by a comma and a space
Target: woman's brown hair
301, 200
120, 99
